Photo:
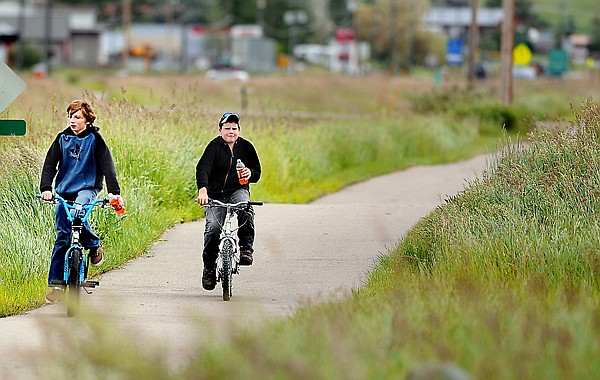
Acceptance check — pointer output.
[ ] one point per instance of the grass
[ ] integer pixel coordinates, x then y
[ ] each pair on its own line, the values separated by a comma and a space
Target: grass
157, 133
497, 280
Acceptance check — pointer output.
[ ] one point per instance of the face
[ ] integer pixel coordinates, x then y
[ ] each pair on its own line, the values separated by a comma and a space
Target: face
77, 122
230, 132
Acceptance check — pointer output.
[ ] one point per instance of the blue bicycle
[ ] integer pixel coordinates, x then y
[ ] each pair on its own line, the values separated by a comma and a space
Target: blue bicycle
77, 261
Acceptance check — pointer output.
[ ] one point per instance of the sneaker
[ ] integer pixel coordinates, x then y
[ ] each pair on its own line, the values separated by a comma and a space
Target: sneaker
55, 294
96, 256
209, 279
246, 258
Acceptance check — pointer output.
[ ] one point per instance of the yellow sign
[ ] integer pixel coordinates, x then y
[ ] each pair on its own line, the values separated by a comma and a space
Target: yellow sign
522, 54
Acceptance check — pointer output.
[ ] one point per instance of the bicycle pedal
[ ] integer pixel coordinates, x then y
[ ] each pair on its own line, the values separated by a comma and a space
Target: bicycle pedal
58, 283
90, 284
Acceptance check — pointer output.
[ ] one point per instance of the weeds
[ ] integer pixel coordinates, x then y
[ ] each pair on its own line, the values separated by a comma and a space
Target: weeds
502, 279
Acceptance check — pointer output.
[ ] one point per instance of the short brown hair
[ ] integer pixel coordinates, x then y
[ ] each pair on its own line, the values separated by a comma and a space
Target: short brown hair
86, 110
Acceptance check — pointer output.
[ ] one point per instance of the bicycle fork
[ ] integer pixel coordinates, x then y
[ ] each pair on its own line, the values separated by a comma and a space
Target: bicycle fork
77, 249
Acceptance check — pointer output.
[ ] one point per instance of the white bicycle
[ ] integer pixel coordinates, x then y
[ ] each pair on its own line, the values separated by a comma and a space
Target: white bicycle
229, 252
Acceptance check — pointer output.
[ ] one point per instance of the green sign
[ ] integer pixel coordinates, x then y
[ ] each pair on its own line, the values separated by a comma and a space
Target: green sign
12, 127
558, 62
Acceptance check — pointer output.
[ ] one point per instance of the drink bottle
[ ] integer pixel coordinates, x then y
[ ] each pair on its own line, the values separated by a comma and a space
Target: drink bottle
239, 166
114, 202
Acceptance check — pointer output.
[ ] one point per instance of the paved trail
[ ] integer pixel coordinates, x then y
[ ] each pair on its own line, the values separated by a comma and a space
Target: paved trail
303, 252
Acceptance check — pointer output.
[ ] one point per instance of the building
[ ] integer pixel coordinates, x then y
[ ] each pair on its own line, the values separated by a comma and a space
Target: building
70, 35
455, 22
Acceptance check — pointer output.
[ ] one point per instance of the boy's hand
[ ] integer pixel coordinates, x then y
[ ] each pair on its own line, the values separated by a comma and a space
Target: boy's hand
120, 203
47, 195
202, 196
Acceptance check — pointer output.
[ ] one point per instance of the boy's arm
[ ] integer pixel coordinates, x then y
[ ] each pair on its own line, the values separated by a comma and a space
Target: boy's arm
253, 164
107, 165
204, 166
49, 169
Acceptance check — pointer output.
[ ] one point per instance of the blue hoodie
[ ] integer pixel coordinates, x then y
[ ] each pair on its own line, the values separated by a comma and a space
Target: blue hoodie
79, 162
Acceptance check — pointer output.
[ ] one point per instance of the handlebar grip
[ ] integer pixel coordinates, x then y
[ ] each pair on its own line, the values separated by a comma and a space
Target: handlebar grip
255, 203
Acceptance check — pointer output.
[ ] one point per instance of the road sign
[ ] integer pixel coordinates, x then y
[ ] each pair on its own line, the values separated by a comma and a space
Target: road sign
522, 55
454, 52
558, 62
12, 127
11, 86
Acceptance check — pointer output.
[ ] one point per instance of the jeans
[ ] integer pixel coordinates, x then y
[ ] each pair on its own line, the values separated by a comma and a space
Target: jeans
215, 217
62, 243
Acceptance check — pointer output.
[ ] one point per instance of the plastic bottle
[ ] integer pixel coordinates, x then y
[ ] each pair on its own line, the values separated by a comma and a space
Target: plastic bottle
239, 166
114, 202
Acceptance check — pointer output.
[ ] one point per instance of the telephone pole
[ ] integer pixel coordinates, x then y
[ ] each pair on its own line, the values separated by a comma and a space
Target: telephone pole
506, 51
473, 38
126, 35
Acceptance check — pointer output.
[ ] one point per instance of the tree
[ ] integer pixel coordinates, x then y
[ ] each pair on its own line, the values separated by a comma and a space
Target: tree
338, 12
523, 13
595, 42
394, 31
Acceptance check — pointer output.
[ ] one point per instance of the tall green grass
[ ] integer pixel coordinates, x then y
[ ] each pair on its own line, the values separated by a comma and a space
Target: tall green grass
451, 292
501, 280
156, 148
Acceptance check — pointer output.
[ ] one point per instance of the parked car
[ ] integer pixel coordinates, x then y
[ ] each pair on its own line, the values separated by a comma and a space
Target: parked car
226, 72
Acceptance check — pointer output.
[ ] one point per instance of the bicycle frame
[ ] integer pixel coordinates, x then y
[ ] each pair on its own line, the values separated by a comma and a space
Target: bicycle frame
229, 256
75, 257
228, 236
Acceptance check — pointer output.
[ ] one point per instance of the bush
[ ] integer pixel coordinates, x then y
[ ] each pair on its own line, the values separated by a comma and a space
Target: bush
31, 55
464, 104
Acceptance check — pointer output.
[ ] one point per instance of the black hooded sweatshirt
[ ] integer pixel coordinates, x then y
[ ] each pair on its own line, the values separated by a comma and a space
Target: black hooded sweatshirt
216, 168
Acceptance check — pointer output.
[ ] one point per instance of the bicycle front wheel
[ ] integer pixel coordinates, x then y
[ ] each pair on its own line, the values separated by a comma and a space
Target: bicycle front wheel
227, 274
73, 282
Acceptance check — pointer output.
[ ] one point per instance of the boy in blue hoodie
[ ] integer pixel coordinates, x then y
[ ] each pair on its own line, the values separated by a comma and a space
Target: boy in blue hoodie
77, 163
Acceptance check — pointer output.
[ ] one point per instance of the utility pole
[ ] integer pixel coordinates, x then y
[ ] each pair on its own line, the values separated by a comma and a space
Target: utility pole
393, 24
48, 38
170, 41
506, 51
473, 42
126, 35
21, 27
260, 6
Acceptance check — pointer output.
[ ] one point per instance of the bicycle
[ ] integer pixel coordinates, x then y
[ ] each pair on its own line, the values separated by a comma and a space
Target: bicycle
76, 261
229, 253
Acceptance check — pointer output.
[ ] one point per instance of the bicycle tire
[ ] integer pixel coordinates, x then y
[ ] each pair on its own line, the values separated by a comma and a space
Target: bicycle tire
227, 275
73, 281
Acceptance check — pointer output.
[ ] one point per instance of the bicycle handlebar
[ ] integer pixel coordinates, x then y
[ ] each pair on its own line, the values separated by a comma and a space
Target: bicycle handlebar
217, 203
56, 199
70, 205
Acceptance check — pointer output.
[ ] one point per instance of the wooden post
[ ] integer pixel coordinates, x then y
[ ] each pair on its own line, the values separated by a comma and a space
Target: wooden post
506, 51
473, 38
126, 35
48, 37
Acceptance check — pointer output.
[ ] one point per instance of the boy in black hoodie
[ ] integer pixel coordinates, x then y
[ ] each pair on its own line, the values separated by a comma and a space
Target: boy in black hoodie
217, 178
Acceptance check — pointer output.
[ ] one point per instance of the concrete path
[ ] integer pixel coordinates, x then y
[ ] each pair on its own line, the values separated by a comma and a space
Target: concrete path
304, 253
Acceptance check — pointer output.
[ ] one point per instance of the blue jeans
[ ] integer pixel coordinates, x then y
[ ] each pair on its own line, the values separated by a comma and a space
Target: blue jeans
215, 217
62, 243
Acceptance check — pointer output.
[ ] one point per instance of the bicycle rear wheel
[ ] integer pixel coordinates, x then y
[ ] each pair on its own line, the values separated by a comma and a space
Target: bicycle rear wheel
73, 282
227, 274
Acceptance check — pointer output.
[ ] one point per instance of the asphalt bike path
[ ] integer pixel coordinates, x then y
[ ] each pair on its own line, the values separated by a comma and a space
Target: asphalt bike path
303, 254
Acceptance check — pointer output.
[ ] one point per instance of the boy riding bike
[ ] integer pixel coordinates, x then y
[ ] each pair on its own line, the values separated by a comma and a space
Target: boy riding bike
77, 162
217, 178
